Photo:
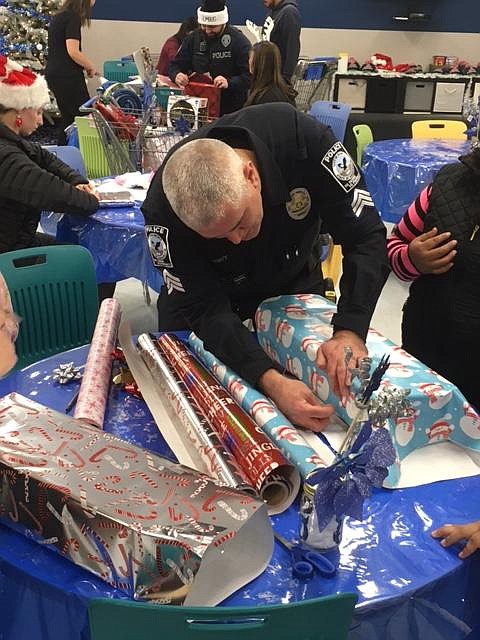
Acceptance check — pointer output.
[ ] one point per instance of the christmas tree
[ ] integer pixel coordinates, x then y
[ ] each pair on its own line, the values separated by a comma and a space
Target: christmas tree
24, 30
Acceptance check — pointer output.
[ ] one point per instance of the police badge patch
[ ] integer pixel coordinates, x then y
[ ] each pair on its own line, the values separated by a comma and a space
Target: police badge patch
157, 238
226, 40
340, 165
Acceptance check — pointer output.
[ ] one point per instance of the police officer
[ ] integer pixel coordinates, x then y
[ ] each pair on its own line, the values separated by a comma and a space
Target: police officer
219, 50
234, 216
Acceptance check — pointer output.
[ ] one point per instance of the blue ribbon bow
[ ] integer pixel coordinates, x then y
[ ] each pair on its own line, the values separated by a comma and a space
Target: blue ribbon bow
342, 488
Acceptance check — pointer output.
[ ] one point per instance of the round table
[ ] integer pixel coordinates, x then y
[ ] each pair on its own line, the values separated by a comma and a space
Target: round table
397, 170
408, 585
116, 239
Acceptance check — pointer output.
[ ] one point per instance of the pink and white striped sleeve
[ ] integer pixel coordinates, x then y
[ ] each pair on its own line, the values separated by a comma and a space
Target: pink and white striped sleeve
409, 227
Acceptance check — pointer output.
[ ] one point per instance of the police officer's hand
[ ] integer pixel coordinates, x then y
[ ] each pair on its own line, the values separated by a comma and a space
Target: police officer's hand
181, 79
220, 82
295, 400
432, 252
331, 359
453, 533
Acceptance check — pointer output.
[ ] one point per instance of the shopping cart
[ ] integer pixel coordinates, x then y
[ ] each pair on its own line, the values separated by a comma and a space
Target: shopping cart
313, 80
132, 139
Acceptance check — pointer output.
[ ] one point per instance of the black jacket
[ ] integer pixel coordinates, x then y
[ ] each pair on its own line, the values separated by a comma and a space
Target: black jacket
33, 180
309, 184
225, 56
283, 27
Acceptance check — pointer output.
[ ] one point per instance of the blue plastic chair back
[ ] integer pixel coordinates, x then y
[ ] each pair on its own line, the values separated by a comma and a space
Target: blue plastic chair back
70, 155
333, 114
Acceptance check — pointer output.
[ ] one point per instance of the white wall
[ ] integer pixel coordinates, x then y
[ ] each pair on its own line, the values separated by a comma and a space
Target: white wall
109, 39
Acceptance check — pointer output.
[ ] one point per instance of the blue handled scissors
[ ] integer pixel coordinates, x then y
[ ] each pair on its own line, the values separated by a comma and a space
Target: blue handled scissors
306, 562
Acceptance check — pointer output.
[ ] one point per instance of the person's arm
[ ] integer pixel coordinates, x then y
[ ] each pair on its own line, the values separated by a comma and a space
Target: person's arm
411, 251
181, 65
72, 43
24, 181
73, 50
450, 534
240, 82
286, 35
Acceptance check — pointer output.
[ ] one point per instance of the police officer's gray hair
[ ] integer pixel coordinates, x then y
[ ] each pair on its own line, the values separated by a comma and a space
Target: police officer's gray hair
201, 179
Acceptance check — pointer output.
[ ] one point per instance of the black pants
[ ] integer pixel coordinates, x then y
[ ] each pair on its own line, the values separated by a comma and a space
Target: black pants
70, 93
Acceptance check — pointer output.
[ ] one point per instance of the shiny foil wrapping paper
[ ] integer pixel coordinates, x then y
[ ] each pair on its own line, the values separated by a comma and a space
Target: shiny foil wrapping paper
92, 398
147, 526
288, 438
274, 477
219, 461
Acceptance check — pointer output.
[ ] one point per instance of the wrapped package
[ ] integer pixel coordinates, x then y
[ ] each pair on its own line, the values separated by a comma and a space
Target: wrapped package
147, 526
291, 328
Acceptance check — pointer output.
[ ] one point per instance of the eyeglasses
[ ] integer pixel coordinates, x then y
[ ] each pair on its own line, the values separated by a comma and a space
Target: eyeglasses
11, 324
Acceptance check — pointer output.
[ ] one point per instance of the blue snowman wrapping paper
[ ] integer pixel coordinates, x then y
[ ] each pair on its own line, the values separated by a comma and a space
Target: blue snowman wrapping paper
290, 329
288, 438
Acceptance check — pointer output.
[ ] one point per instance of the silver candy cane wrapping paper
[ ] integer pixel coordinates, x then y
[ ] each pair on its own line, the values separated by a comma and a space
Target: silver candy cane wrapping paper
92, 399
149, 527
219, 462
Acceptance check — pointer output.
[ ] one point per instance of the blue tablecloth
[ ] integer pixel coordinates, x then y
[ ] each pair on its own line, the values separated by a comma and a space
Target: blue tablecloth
409, 586
397, 170
116, 239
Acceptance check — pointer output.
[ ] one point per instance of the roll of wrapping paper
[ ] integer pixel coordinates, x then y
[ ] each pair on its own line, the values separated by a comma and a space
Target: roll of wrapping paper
186, 417
274, 477
93, 394
288, 438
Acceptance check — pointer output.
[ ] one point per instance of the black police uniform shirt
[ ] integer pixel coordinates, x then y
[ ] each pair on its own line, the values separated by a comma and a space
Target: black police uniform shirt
309, 184
226, 55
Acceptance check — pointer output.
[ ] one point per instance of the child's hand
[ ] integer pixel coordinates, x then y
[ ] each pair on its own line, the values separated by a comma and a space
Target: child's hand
453, 533
432, 252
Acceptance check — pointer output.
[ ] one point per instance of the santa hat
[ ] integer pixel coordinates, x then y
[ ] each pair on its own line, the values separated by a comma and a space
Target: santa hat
20, 88
212, 13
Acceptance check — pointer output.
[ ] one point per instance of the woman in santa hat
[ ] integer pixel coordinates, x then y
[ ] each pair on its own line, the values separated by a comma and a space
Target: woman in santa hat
32, 179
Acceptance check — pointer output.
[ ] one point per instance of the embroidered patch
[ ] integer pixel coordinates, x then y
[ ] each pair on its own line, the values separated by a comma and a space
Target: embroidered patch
226, 40
173, 283
300, 204
157, 238
361, 198
340, 165
267, 28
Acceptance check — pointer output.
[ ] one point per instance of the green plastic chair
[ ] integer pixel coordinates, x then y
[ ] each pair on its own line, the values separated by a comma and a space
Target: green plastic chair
363, 136
327, 618
119, 70
54, 291
91, 148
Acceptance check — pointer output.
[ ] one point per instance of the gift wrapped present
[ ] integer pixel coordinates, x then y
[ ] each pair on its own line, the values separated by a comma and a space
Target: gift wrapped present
291, 328
150, 527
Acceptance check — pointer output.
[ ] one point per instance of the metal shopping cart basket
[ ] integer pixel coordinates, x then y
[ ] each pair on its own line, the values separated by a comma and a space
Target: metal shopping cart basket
313, 80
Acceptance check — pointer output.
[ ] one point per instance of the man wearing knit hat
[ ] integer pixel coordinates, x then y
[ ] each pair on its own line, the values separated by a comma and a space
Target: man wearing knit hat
216, 49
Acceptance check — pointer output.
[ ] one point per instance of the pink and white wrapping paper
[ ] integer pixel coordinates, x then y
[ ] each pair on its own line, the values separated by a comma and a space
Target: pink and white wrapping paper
92, 399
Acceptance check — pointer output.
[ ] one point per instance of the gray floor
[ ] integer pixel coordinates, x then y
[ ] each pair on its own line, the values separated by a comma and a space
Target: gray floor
386, 319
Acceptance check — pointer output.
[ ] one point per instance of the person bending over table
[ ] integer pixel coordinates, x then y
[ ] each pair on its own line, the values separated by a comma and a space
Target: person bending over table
217, 49
436, 246
32, 179
235, 215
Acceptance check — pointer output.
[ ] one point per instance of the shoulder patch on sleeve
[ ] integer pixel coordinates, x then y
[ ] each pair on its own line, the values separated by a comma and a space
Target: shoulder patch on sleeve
157, 238
338, 162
